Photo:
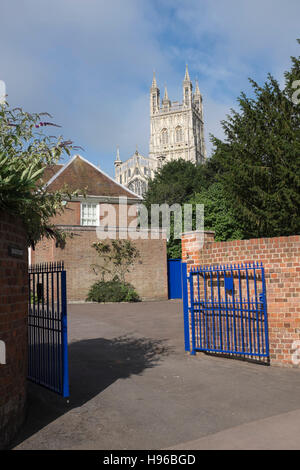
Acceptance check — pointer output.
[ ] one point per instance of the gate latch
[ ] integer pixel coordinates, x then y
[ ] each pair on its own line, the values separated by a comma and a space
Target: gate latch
229, 283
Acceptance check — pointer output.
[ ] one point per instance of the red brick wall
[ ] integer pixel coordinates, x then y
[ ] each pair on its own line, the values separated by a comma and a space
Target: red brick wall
281, 259
13, 327
70, 215
148, 275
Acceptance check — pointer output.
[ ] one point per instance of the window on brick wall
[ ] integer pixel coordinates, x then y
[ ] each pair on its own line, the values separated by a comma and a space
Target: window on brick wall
89, 214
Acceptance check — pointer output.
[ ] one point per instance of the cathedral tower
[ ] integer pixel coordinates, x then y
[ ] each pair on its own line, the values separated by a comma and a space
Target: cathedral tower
177, 130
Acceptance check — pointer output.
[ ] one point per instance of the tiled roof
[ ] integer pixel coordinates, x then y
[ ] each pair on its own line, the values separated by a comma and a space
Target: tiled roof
79, 174
50, 171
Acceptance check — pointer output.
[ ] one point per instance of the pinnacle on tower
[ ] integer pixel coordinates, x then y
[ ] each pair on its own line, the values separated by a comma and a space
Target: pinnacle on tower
197, 90
118, 159
166, 101
166, 93
154, 83
187, 75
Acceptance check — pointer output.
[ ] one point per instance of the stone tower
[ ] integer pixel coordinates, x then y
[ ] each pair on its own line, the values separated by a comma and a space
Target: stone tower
177, 129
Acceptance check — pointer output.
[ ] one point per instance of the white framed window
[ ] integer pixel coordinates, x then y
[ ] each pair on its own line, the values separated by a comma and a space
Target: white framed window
89, 214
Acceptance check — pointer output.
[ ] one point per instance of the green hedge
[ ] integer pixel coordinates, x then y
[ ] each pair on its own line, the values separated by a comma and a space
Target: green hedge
112, 291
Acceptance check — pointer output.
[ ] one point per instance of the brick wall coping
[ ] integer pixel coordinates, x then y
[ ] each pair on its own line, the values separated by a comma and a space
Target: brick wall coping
84, 228
196, 232
250, 240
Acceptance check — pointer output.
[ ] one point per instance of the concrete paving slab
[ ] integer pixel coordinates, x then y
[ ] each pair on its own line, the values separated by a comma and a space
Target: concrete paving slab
280, 432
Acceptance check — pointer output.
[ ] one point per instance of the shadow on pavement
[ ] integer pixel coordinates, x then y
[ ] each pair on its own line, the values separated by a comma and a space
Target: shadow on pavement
94, 365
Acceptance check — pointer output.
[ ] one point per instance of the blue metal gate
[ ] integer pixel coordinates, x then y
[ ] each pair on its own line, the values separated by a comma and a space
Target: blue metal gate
174, 279
47, 327
225, 310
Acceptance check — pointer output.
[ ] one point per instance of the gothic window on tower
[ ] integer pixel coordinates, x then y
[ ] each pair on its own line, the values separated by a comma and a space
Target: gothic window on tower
164, 137
178, 133
153, 101
186, 95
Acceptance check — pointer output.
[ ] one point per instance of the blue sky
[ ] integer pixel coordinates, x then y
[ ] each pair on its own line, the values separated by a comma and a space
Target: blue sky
90, 62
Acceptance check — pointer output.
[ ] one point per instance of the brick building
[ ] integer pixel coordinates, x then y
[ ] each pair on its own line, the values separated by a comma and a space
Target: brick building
101, 203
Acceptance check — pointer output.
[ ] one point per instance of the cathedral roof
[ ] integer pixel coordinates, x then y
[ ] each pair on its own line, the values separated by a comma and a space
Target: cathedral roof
80, 174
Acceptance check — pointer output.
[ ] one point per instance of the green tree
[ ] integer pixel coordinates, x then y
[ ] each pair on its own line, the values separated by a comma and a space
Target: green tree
174, 183
218, 213
25, 150
259, 159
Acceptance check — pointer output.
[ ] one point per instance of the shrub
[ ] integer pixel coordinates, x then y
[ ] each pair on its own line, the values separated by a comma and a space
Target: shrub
25, 151
112, 291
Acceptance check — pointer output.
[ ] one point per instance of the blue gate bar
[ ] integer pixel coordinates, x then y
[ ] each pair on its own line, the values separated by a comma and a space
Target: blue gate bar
192, 315
256, 309
264, 300
65, 361
185, 306
249, 310
233, 310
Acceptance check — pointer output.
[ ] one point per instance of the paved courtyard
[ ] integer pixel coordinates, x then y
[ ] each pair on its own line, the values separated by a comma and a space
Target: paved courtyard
133, 387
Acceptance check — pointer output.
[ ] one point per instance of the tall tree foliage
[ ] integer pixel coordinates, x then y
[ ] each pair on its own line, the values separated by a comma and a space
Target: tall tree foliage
260, 159
174, 183
218, 213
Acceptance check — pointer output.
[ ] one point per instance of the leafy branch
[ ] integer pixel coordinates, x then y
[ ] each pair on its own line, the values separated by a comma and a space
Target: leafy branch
117, 258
